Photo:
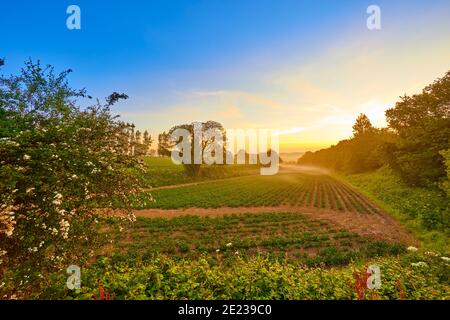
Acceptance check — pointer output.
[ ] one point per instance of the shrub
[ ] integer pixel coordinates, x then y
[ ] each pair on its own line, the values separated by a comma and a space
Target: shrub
56, 159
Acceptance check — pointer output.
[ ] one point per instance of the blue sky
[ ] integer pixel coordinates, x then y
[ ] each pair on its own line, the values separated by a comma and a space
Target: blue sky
308, 65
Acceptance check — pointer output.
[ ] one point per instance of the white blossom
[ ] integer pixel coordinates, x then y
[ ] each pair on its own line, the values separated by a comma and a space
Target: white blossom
412, 249
419, 264
58, 199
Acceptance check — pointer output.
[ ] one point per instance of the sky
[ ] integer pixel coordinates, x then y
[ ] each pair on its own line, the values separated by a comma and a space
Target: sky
307, 68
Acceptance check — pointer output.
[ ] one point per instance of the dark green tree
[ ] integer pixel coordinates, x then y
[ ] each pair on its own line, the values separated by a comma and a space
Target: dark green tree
422, 122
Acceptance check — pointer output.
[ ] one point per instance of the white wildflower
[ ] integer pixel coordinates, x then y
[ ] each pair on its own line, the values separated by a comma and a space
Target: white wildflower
229, 244
419, 264
446, 259
26, 157
29, 190
65, 225
58, 199
412, 249
95, 170
217, 250
431, 254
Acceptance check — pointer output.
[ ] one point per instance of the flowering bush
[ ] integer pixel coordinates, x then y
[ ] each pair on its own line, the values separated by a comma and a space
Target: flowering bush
57, 160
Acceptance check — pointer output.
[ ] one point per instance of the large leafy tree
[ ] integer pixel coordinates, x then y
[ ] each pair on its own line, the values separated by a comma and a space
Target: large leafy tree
206, 142
58, 161
422, 122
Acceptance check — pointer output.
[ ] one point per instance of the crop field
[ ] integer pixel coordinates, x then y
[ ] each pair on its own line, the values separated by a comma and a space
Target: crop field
295, 189
283, 236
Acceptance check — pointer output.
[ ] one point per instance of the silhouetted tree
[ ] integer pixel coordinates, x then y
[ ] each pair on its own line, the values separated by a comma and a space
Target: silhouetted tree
164, 144
362, 125
422, 122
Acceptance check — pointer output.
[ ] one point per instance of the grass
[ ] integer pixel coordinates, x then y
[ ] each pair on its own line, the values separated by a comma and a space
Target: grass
251, 191
423, 211
161, 171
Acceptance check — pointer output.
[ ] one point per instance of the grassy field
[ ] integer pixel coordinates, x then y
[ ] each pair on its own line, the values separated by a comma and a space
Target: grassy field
161, 171
426, 212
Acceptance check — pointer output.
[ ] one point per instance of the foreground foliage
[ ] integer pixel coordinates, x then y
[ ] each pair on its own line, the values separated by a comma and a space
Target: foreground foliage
257, 278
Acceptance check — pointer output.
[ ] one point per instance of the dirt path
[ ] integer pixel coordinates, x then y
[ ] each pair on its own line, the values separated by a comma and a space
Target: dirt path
188, 184
376, 226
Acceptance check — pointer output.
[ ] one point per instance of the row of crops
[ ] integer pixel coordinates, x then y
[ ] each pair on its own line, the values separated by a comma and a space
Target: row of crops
296, 189
290, 236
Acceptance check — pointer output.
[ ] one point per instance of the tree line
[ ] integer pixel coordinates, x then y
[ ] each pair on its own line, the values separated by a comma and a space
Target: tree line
415, 144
